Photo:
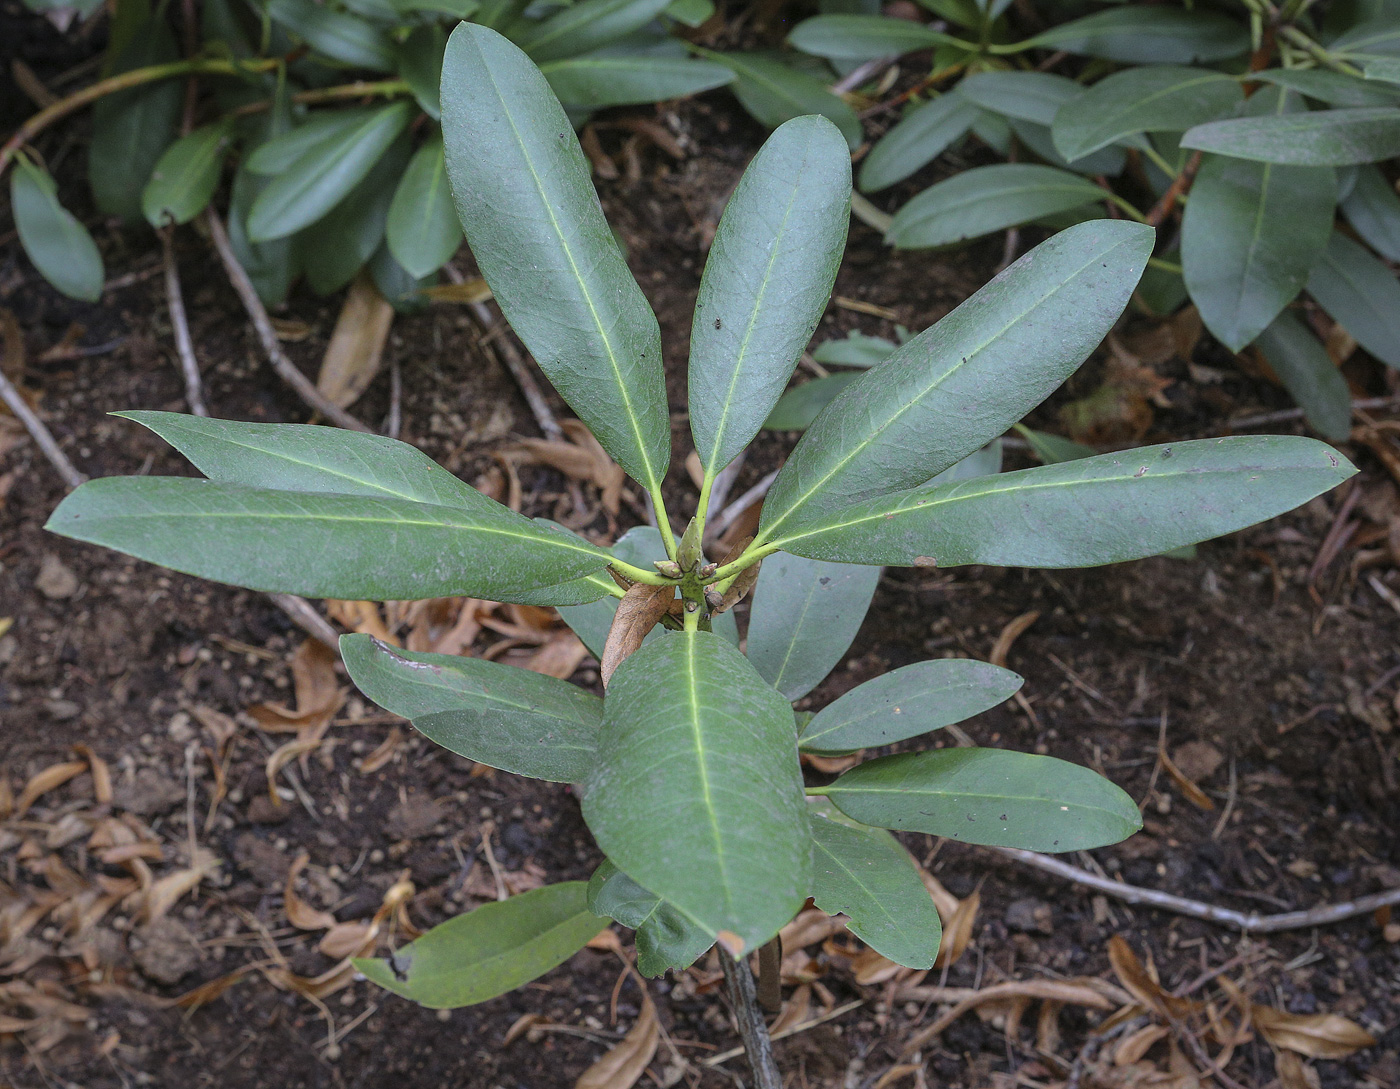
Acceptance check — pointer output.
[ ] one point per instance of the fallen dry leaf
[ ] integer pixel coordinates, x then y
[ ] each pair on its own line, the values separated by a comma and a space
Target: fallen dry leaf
621, 1067
299, 913
50, 778
356, 349
795, 1010
1316, 1035
957, 933
1009, 634
164, 893
1193, 794
640, 610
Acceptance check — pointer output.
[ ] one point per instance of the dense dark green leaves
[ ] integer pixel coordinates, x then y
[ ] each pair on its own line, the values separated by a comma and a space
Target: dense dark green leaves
863, 37
335, 247
1365, 134
326, 128
1025, 96
1374, 210
423, 230
1334, 88
420, 65
507, 718
766, 283
697, 793
665, 937
616, 78
986, 199
1104, 509
60, 246
943, 394
775, 93
989, 796
522, 188
921, 136
908, 702
585, 26
336, 34
1137, 34
1308, 373
1156, 98
1361, 294
271, 266
805, 615
489, 951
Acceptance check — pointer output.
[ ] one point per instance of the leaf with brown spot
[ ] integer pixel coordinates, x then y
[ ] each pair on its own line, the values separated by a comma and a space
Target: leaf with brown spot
356, 349
640, 610
621, 1067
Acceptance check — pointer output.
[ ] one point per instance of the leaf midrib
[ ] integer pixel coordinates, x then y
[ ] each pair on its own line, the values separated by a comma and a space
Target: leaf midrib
957, 795
856, 880
707, 798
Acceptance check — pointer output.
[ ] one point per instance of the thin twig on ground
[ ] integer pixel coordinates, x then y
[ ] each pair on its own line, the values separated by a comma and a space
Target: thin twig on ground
503, 348
304, 615
180, 325
1288, 414
42, 436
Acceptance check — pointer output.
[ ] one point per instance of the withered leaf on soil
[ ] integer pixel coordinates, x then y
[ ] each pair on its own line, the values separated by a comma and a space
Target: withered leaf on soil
640, 610
957, 932
299, 913
50, 778
621, 1067
1316, 1035
356, 349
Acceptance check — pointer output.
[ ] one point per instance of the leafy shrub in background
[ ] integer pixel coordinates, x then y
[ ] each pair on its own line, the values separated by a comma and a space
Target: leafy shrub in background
689, 765
1258, 124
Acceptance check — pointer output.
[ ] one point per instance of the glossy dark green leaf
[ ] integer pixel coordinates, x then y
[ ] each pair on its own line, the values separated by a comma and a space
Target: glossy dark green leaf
960, 384
922, 135
1373, 209
326, 128
1098, 510
989, 796
271, 266
400, 288
692, 13
1361, 294
867, 874
986, 199
457, 9
185, 177
585, 26
491, 950
316, 181
423, 230
856, 349
1025, 96
524, 195
60, 246
336, 34
1107, 160
1366, 134
805, 615
1136, 34
907, 702
1308, 373
799, 406
766, 283
665, 937
863, 37
1377, 36
1155, 98
1053, 449
1333, 88
597, 80
507, 718
697, 793
774, 92
420, 66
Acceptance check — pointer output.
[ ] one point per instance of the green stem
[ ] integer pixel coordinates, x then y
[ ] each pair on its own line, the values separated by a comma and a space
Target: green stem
747, 558
1159, 162
1125, 205
663, 520
1317, 52
385, 88
816, 792
1165, 266
637, 574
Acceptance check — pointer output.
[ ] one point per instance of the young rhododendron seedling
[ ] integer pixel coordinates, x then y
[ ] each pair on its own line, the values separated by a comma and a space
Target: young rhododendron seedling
689, 765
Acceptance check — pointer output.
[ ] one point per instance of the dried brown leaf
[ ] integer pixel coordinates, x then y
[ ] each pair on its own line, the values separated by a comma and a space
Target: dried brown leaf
101, 774
795, 1010
640, 610
52, 777
299, 913
943, 900
871, 967
957, 933
164, 894
809, 928
621, 1067
383, 753
1293, 1073
1009, 634
345, 940
1133, 1047
356, 349
559, 657
522, 1025
1193, 794
1316, 1035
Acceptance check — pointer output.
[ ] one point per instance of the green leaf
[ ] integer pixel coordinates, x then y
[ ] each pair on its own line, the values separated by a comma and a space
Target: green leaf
1361, 294
336, 34
766, 283
1160, 291
131, 128
799, 406
1379, 35
1136, 34
1374, 210
324, 129
321, 544
665, 937
1157, 98
271, 266
908, 702
1333, 88
457, 9
773, 92
690, 12
1108, 160
585, 26
184, 179
1053, 449
1104, 509
420, 66
805, 615
1309, 375
977, 371
856, 349
1383, 70
534, 224
1025, 96
489, 951
867, 874
697, 793
923, 134
598, 80
986, 199
989, 796
863, 37
59, 245
1365, 134
318, 179
507, 718
422, 230
337, 246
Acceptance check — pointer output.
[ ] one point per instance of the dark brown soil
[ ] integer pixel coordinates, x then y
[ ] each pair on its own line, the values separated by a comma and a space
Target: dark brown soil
1285, 680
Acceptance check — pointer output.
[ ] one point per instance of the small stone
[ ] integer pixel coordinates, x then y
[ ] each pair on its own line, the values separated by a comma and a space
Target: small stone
165, 951
56, 581
1030, 915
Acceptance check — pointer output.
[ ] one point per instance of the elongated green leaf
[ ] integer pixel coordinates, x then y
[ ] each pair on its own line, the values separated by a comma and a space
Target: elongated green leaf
1156, 98
489, 951
339, 244
60, 246
1308, 373
690, 12
766, 283
1334, 88
319, 178
1025, 96
1098, 510
774, 92
1360, 293
697, 794
1107, 160
866, 873
1378, 36
185, 177
856, 349
323, 129
983, 462
457, 9
923, 134
423, 230
863, 37
805, 615
500, 716
975, 373
337, 34
420, 65
1135, 34
908, 702
271, 266
321, 544
1053, 449
1365, 134
987, 199
597, 80
585, 26
989, 796
521, 184
1383, 70
1374, 210
799, 406
665, 937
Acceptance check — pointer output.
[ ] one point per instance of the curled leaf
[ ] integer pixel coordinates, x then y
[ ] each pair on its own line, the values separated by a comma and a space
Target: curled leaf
640, 610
